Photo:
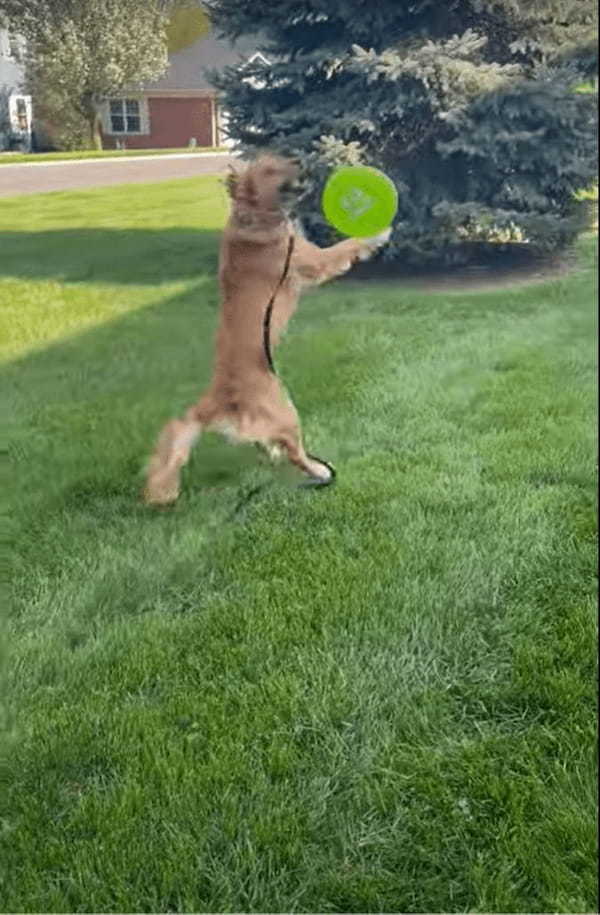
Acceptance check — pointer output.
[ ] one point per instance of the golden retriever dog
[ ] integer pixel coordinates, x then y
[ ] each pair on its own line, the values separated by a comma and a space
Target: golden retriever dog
264, 265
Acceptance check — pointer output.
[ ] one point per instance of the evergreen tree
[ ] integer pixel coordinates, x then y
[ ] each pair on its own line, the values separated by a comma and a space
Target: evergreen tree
469, 105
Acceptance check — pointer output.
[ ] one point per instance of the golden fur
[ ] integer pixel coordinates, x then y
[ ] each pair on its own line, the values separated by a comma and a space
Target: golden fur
245, 400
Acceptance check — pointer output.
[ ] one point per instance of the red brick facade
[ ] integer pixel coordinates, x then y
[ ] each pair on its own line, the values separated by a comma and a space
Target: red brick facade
173, 121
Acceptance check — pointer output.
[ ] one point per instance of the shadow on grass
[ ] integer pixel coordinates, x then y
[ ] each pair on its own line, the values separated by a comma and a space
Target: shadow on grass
83, 413
82, 418
137, 256
150, 256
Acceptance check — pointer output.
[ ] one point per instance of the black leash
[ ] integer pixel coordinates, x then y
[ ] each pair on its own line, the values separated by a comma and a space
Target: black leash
269, 308
311, 482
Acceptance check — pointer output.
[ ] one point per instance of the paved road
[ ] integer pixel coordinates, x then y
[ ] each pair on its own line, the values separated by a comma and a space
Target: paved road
37, 177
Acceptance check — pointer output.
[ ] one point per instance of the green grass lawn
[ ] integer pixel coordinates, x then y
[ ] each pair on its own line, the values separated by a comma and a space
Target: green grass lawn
380, 697
19, 158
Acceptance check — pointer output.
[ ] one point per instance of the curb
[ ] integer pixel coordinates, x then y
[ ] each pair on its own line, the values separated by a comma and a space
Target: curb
125, 159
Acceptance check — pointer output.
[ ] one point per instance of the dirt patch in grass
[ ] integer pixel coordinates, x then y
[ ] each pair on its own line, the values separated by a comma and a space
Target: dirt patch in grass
502, 270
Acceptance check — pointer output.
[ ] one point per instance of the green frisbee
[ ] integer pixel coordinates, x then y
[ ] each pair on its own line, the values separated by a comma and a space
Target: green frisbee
359, 201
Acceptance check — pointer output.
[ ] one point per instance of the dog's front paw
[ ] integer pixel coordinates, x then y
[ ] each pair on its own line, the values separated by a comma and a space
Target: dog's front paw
378, 240
370, 245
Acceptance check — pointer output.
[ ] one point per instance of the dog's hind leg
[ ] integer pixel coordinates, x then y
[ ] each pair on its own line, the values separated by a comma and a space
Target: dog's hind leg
280, 430
170, 455
319, 473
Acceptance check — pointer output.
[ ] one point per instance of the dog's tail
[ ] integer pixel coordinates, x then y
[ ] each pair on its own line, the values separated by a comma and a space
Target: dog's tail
171, 453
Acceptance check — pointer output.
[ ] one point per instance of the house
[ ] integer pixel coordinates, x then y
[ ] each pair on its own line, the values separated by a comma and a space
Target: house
180, 109
15, 105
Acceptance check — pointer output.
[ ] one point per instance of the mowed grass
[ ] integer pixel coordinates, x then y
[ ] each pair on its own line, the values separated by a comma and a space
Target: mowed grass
379, 697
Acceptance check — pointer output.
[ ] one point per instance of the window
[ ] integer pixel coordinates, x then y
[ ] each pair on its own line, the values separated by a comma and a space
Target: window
19, 113
125, 115
14, 46
21, 118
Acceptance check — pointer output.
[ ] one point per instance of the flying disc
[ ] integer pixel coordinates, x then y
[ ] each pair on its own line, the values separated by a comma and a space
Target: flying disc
359, 201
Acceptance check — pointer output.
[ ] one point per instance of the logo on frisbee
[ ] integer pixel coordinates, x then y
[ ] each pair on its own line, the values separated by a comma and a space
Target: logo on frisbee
355, 203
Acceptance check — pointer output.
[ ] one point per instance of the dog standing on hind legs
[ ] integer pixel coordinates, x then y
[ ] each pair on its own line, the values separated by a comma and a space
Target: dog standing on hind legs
264, 265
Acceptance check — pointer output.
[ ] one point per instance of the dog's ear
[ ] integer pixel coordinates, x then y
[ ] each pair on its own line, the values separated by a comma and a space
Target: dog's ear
249, 192
231, 182
241, 187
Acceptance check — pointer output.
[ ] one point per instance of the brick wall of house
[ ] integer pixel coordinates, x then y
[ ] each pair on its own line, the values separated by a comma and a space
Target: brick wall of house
173, 121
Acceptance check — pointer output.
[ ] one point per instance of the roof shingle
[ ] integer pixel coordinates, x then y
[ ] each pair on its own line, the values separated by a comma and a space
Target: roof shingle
187, 67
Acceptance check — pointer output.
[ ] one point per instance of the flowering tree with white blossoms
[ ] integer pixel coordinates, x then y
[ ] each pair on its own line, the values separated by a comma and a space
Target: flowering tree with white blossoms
83, 51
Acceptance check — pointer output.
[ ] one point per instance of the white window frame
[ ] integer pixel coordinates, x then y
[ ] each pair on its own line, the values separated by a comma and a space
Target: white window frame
15, 48
13, 114
12, 42
107, 127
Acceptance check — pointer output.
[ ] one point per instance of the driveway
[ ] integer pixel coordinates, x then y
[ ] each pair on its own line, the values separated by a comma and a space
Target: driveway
38, 177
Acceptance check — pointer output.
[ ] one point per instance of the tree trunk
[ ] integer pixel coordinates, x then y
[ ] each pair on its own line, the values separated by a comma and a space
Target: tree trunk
95, 131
